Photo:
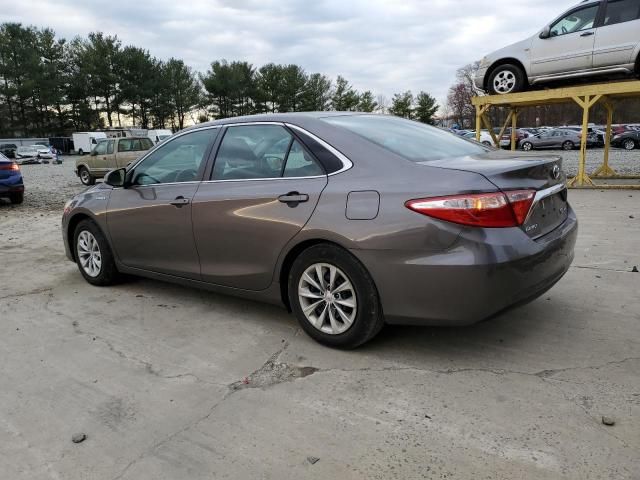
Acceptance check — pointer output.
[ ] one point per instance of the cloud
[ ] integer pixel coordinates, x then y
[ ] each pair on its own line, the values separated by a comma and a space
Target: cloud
384, 46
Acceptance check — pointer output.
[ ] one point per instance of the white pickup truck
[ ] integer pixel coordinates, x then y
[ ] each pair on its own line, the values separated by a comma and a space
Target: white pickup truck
109, 154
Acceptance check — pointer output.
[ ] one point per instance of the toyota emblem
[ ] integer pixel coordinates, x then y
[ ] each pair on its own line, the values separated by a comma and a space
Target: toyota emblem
555, 172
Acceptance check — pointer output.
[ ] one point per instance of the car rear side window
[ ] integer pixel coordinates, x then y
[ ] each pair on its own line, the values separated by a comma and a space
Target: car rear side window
300, 163
412, 140
124, 145
620, 11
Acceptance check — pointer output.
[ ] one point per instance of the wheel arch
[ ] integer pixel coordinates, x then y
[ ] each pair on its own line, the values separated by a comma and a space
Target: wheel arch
289, 258
504, 61
71, 228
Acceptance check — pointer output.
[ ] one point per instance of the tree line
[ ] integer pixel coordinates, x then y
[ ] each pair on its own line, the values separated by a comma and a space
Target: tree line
50, 86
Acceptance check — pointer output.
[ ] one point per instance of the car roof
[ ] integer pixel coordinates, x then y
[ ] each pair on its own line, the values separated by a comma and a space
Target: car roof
292, 117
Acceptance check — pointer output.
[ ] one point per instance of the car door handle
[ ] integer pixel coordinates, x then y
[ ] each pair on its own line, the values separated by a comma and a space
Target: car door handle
179, 201
293, 198
586, 34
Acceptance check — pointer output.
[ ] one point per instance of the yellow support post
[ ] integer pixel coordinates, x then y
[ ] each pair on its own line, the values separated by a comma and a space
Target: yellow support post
478, 116
582, 179
514, 119
605, 170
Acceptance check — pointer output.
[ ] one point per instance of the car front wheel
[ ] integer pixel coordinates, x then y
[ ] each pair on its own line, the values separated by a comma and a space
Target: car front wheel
85, 176
506, 78
568, 145
526, 146
93, 255
334, 297
629, 144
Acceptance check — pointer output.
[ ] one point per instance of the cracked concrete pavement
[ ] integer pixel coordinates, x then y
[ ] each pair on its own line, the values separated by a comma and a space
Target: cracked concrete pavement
174, 383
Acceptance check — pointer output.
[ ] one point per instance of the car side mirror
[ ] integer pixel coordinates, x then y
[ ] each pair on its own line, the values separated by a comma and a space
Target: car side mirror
546, 33
116, 178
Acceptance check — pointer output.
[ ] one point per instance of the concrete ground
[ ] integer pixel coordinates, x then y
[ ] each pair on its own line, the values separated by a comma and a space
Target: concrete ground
173, 383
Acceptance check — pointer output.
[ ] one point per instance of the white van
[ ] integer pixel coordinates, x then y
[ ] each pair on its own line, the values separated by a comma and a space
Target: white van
83, 142
157, 136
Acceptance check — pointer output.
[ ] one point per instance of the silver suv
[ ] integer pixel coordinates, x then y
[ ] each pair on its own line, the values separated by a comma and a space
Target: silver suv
592, 38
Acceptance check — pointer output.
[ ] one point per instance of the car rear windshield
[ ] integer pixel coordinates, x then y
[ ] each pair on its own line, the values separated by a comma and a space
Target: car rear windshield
412, 140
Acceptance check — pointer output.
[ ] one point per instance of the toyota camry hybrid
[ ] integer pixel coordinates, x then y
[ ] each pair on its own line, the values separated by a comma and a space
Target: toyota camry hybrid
349, 220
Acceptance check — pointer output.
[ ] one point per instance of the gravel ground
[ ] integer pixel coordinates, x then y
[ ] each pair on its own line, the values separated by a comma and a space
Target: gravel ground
48, 187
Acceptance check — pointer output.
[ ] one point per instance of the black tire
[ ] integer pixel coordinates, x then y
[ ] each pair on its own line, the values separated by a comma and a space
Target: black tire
85, 176
628, 144
568, 145
486, 144
80, 152
526, 146
509, 72
368, 319
16, 198
108, 273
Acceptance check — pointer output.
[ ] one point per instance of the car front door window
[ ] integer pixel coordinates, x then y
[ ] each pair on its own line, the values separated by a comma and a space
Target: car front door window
576, 21
179, 160
101, 148
620, 11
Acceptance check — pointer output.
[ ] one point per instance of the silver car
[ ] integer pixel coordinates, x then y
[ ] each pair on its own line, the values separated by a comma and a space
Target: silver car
592, 38
566, 139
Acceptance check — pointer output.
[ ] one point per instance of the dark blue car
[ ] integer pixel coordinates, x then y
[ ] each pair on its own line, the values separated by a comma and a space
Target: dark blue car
11, 185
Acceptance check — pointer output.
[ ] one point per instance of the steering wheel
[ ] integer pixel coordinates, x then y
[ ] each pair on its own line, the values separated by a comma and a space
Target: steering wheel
186, 175
564, 29
142, 175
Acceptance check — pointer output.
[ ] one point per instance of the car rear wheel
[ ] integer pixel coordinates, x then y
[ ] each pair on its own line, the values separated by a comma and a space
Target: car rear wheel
506, 78
334, 297
568, 145
629, 144
80, 152
16, 198
486, 143
93, 255
526, 146
86, 177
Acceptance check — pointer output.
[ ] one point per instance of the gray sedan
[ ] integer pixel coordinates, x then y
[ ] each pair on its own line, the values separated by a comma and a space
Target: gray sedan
557, 138
348, 220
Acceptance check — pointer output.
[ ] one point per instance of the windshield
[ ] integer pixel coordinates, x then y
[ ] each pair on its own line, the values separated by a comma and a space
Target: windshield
412, 140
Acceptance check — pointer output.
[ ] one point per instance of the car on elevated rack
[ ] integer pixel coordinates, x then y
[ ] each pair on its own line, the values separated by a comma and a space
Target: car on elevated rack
629, 140
350, 220
593, 38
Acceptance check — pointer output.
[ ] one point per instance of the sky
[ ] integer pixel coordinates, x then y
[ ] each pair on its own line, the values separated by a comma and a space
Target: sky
383, 46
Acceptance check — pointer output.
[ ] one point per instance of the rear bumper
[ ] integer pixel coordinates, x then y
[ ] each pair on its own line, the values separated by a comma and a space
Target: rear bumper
483, 273
11, 185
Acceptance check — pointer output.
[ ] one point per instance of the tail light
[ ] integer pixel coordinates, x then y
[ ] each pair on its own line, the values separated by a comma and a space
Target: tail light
10, 166
496, 209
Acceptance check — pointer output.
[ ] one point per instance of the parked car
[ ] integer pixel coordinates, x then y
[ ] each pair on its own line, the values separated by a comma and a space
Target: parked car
110, 154
485, 137
628, 140
350, 220
592, 38
505, 140
26, 154
11, 183
566, 139
8, 149
594, 139
44, 151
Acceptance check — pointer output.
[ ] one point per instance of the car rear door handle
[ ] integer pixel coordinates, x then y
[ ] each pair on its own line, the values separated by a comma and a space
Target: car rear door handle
293, 198
586, 34
179, 201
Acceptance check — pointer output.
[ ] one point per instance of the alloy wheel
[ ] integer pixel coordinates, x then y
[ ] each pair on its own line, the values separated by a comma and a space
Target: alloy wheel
629, 144
84, 176
89, 254
327, 298
526, 146
504, 81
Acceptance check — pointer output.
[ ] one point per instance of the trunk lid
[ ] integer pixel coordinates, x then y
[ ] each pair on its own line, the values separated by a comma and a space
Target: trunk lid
514, 171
